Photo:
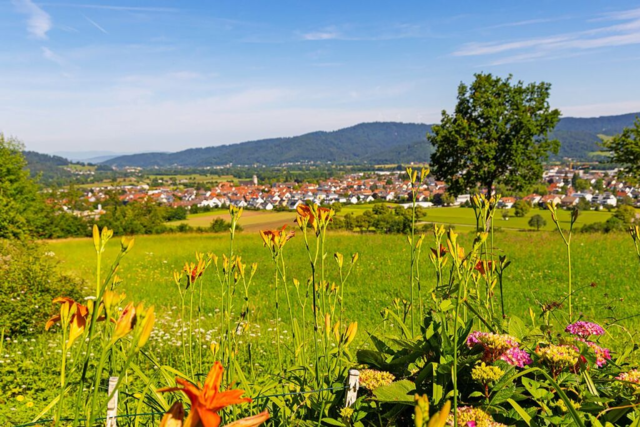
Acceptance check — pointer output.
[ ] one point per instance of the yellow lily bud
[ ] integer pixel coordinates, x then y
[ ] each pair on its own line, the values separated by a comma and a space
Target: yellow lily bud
354, 258
125, 323
351, 333
111, 299
421, 409
339, 259
126, 244
336, 331
440, 419
327, 323
96, 237
214, 347
147, 327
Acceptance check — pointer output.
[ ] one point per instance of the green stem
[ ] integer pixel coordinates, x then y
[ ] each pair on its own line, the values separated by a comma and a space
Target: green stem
413, 255
570, 282
96, 386
62, 376
278, 325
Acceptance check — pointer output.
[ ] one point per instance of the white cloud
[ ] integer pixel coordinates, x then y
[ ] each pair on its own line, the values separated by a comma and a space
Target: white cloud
621, 34
51, 56
130, 117
368, 32
326, 34
38, 21
115, 8
526, 22
95, 24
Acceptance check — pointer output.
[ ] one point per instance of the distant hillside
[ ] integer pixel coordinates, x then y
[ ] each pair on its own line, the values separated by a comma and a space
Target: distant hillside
47, 166
88, 156
373, 143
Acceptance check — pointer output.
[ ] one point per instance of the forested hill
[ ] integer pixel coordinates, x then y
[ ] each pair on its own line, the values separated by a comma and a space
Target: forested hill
46, 166
374, 143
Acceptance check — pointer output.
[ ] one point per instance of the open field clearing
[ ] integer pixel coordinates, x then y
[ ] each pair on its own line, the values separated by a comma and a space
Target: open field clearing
465, 216
251, 221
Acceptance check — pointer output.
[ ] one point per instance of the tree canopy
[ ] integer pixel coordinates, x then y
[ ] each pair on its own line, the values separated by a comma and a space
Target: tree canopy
498, 133
19, 199
625, 149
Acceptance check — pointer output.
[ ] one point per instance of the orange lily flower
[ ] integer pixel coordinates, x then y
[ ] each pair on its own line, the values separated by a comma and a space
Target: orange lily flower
81, 310
276, 238
175, 418
311, 214
443, 251
209, 400
305, 212
480, 266
194, 270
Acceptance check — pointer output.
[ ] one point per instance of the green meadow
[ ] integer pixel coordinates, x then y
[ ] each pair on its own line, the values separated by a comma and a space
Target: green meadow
606, 271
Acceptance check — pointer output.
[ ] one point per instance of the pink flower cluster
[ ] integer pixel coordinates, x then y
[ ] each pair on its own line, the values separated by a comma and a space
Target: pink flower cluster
584, 329
602, 354
516, 357
499, 347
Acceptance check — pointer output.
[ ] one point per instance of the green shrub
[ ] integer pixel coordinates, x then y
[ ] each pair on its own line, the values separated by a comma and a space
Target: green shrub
29, 281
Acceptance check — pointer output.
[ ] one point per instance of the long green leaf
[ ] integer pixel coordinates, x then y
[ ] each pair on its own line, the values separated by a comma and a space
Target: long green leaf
525, 417
404, 328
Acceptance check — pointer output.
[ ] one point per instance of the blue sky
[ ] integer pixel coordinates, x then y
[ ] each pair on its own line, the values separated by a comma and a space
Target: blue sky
133, 76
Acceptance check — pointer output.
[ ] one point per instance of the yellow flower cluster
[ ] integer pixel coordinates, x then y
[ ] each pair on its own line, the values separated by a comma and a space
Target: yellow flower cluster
486, 374
633, 376
563, 406
372, 379
559, 356
468, 416
346, 413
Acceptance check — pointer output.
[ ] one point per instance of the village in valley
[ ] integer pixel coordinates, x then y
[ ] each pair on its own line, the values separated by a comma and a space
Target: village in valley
566, 186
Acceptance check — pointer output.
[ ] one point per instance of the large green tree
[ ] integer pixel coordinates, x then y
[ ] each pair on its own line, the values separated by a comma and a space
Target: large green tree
625, 149
498, 133
19, 200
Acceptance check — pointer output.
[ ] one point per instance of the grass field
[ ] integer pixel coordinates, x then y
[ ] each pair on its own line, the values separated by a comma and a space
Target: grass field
465, 216
604, 267
194, 178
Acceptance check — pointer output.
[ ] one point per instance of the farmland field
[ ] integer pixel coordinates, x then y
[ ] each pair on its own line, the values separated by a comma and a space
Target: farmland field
251, 221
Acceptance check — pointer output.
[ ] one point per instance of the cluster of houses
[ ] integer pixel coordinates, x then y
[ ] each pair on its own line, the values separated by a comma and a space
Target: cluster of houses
369, 187
560, 190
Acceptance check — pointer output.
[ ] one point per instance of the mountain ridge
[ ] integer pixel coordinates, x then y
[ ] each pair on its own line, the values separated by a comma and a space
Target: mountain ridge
372, 142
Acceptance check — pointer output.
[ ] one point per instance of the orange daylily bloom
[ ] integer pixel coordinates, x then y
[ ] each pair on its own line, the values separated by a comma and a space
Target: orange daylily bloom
443, 251
194, 270
309, 213
276, 238
480, 266
175, 418
305, 212
207, 401
81, 310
